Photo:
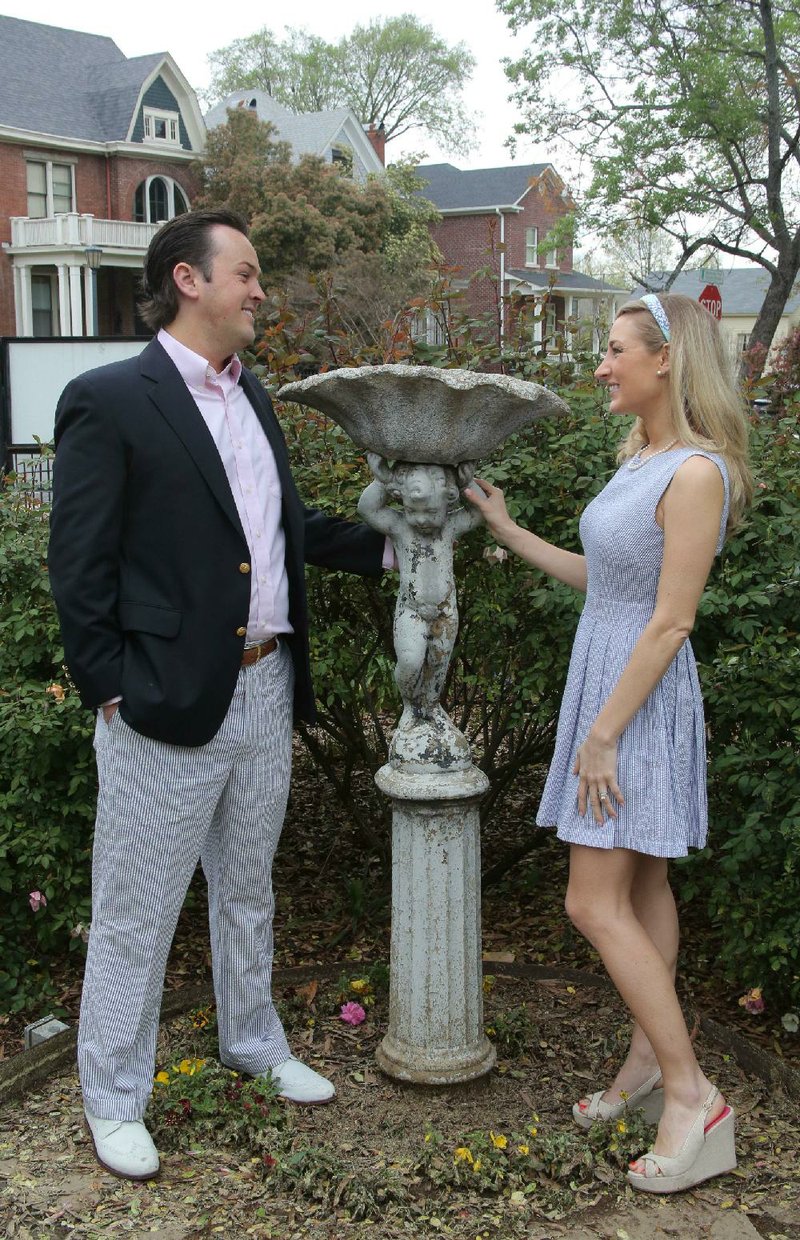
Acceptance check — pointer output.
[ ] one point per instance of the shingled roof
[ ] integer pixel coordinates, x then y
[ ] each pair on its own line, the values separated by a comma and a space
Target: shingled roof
743, 289
84, 86
308, 133
564, 281
450, 189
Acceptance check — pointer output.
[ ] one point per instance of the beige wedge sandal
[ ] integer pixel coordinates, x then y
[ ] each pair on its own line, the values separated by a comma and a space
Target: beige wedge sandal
708, 1150
647, 1098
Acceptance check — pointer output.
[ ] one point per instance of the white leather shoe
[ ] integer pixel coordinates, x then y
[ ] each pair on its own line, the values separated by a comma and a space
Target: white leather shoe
124, 1147
299, 1083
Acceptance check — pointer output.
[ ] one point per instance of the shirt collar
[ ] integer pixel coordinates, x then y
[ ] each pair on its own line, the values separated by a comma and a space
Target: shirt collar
196, 371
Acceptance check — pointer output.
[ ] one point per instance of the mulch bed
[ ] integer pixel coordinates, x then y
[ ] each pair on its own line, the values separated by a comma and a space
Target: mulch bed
332, 905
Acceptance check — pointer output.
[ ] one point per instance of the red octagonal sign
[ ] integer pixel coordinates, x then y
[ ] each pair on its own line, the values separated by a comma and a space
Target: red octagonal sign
711, 298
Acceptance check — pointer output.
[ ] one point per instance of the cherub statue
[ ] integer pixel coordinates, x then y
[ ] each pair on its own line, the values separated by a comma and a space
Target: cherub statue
426, 614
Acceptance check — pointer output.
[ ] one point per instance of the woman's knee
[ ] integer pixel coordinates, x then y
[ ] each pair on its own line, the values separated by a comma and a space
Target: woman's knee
582, 912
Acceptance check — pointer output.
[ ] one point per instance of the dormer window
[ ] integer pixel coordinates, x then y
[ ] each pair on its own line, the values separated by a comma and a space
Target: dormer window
161, 126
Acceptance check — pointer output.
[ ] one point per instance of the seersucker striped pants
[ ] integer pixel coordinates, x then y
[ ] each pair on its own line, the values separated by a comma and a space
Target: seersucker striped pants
160, 808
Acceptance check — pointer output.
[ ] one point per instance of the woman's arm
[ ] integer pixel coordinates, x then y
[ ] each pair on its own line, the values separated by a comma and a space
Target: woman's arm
566, 566
692, 509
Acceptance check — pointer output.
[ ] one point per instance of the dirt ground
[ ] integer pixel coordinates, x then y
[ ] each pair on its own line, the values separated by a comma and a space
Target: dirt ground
557, 1040
564, 1038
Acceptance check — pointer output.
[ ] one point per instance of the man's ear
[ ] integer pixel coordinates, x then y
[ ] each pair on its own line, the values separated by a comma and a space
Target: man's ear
185, 277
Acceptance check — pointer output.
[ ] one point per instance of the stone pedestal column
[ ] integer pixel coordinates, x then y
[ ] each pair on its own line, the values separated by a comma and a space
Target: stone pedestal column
435, 1033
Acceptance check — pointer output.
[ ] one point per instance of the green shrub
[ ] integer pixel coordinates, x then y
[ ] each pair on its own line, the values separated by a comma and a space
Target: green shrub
747, 648
47, 780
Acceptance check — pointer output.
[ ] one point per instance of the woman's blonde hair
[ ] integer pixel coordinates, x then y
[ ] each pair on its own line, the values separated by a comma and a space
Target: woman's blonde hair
707, 409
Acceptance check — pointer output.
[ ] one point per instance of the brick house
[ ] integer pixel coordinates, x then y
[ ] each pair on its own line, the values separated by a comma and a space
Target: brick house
496, 221
95, 152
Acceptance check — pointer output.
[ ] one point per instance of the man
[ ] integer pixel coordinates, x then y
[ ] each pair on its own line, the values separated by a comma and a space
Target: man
176, 559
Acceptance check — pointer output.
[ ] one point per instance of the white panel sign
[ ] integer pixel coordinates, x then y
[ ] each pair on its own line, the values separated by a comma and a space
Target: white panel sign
39, 370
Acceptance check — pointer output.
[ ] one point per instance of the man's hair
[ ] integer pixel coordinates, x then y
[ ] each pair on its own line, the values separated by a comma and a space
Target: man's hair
189, 238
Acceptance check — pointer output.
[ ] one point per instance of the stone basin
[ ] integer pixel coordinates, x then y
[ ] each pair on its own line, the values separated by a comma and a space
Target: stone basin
423, 414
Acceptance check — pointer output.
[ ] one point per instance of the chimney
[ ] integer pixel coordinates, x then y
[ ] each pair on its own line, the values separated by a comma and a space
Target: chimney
378, 139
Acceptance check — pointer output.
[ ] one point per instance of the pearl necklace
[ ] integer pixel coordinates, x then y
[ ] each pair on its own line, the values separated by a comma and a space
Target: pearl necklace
637, 461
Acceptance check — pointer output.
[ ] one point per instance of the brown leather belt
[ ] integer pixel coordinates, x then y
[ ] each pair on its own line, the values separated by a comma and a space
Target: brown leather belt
254, 653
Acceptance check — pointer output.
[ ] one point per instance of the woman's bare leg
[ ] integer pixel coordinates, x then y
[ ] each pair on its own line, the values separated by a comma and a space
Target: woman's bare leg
600, 904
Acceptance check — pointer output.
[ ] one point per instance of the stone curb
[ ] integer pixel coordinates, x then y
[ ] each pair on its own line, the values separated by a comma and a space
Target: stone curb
30, 1069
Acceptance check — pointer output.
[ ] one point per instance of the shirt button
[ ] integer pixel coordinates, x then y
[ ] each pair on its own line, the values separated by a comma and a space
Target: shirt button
244, 568
241, 631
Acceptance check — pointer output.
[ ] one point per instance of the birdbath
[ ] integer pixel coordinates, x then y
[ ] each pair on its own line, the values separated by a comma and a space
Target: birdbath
423, 430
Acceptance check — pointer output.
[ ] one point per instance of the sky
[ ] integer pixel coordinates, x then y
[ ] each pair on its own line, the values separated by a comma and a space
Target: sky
190, 33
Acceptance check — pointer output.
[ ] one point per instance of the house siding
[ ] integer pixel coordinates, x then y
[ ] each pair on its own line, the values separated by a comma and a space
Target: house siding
159, 95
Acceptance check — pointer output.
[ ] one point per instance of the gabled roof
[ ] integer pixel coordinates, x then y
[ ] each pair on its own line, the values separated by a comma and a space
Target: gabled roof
450, 189
73, 85
574, 282
308, 133
743, 289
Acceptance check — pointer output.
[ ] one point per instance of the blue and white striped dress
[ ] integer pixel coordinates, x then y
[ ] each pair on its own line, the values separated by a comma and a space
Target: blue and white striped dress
661, 767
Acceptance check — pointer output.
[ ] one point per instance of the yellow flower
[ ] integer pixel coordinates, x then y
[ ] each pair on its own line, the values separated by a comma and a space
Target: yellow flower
488, 984
523, 1149
498, 1140
476, 1166
428, 1137
621, 1126
360, 985
162, 1078
533, 1130
462, 1154
189, 1067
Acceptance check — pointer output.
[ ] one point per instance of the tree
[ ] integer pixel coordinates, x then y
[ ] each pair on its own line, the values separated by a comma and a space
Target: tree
690, 113
394, 72
302, 215
373, 240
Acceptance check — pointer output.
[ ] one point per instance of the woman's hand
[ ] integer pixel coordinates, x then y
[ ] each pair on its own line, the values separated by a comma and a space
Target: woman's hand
490, 501
598, 790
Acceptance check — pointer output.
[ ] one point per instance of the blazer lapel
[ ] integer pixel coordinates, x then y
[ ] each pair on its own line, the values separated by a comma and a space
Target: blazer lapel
170, 395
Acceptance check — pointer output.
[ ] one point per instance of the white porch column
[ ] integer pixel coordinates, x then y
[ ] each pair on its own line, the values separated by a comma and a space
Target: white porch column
63, 301
25, 302
17, 270
76, 301
89, 285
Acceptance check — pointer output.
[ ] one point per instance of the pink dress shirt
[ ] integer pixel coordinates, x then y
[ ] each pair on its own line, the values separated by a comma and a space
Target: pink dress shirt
250, 468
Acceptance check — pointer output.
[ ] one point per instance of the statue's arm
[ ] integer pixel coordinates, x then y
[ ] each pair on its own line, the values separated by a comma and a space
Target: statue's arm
464, 520
373, 509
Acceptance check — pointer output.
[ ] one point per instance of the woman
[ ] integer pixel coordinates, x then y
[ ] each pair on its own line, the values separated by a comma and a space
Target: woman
626, 788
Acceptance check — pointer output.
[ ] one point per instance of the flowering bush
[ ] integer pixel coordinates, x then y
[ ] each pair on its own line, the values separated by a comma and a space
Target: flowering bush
195, 1101
47, 780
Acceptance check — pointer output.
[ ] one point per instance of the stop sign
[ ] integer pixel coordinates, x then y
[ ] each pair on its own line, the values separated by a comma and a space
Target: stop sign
711, 298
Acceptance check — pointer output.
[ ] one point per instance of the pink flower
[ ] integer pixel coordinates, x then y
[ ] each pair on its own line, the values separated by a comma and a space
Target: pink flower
37, 900
753, 1001
352, 1013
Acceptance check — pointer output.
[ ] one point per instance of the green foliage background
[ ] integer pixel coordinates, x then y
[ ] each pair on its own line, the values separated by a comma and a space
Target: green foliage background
506, 677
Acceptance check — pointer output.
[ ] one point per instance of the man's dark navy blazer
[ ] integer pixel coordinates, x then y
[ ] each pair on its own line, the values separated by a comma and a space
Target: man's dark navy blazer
148, 559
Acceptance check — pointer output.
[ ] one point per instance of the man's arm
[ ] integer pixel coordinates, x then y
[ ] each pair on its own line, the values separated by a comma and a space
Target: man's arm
85, 527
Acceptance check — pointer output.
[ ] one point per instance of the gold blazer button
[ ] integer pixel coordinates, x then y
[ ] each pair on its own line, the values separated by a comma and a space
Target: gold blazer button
244, 568
241, 631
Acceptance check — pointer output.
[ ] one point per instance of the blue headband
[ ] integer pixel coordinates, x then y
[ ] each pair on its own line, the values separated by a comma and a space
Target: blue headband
658, 312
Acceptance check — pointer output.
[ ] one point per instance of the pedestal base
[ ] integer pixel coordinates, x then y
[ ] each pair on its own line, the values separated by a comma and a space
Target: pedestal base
435, 1033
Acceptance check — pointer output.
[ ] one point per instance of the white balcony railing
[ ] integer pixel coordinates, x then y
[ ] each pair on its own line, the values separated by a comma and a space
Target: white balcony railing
73, 230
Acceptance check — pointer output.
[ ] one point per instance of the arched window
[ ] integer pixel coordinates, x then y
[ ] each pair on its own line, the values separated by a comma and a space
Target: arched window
158, 199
